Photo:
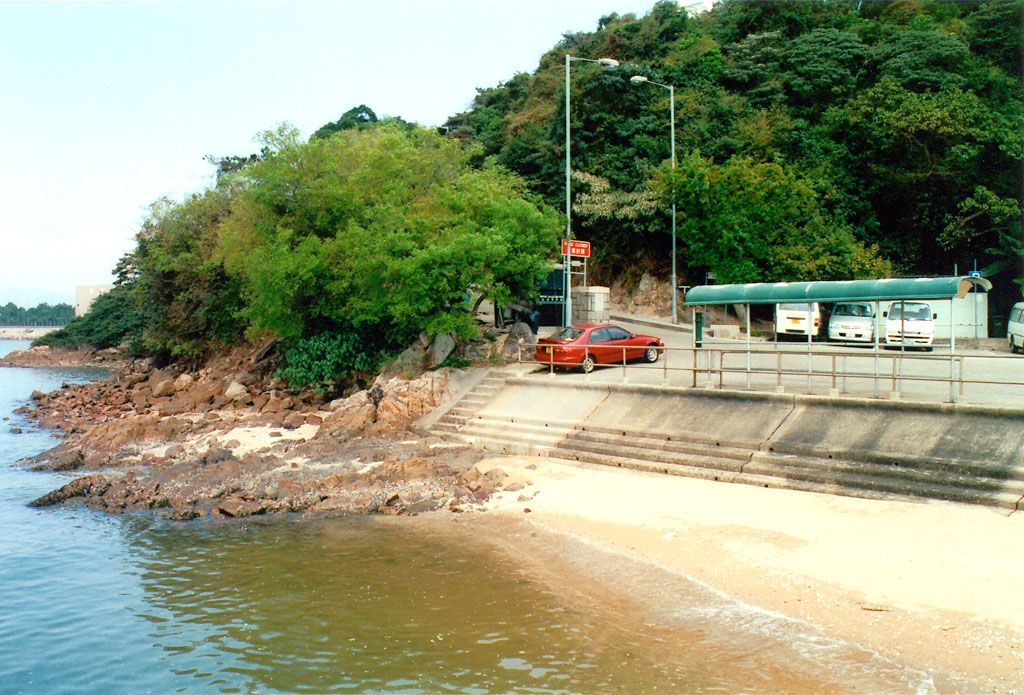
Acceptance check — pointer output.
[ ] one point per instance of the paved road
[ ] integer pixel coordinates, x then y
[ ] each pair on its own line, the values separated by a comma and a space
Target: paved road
784, 367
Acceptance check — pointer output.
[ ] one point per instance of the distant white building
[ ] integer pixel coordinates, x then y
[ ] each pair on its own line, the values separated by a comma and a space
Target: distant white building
85, 295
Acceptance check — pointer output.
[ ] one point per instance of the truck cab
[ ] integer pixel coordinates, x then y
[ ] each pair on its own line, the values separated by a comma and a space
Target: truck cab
910, 324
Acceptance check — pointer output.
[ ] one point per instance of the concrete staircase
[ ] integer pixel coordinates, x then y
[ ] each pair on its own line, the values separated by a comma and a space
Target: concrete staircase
772, 452
464, 408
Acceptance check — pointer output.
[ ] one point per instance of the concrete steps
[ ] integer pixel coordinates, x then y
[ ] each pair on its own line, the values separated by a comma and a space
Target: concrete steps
543, 423
969, 484
463, 409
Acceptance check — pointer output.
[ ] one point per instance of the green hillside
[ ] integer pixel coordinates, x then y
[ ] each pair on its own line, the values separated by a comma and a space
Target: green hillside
815, 140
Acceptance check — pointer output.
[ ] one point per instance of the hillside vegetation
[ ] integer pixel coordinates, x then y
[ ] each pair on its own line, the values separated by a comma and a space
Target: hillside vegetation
346, 248
815, 140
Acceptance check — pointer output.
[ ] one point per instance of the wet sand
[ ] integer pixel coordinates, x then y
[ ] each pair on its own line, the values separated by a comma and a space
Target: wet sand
889, 596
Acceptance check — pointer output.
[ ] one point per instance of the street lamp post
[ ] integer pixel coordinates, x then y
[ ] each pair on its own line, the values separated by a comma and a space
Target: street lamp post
640, 79
607, 64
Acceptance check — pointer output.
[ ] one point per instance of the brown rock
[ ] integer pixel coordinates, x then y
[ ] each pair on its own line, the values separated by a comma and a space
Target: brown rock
182, 514
163, 389
273, 405
349, 418
293, 421
88, 486
234, 391
239, 507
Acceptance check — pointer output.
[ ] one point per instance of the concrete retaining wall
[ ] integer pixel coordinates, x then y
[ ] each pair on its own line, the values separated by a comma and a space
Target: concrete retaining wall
847, 446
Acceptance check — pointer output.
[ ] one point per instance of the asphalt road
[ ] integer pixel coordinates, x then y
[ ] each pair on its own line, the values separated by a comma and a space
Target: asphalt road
989, 377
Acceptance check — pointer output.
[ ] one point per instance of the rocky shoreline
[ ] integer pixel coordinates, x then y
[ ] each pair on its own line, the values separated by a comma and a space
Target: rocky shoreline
230, 440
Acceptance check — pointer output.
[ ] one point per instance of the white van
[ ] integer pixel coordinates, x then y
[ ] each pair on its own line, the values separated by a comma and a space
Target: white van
852, 322
911, 324
791, 318
1015, 328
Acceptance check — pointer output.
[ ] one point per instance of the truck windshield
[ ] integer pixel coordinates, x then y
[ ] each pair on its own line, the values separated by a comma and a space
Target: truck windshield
853, 310
914, 312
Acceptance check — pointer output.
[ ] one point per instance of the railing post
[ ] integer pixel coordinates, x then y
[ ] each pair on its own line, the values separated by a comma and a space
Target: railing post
952, 381
778, 369
624, 377
748, 347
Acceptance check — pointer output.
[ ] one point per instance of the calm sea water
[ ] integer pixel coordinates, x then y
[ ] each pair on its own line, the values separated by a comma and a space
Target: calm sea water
133, 604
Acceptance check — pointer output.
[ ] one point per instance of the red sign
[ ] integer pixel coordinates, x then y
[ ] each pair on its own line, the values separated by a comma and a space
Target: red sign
576, 248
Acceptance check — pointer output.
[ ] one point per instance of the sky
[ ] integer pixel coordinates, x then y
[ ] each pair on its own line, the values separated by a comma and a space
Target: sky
107, 107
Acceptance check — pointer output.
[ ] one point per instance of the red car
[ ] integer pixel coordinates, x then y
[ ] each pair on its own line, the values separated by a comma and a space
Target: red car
585, 345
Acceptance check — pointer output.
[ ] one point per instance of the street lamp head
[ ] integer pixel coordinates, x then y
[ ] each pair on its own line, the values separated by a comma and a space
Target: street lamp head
638, 79
608, 63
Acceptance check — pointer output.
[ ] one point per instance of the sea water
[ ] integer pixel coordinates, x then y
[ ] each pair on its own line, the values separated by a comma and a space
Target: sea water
91, 602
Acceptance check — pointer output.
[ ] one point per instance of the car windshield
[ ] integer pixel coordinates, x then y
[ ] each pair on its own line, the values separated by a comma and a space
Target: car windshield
852, 310
569, 333
795, 306
914, 312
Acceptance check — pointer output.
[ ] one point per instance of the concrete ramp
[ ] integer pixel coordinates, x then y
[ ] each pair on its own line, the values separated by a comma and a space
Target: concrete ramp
855, 447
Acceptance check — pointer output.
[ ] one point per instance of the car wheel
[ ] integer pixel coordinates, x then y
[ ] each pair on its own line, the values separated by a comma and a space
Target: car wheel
1013, 347
652, 353
587, 365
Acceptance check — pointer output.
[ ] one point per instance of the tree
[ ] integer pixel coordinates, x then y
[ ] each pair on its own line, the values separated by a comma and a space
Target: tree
356, 117
190, 304
374, 236
760, 222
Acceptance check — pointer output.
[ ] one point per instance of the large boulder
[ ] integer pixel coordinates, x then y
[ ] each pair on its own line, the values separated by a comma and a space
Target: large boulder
520, 340
350, 416
163, 388
440, 347
404, 399
234, 391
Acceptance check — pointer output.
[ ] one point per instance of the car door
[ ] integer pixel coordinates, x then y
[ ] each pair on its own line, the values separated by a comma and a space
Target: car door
619, 338
598, 346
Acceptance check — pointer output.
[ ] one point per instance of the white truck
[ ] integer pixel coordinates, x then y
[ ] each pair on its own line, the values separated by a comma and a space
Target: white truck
793, 318
910, 324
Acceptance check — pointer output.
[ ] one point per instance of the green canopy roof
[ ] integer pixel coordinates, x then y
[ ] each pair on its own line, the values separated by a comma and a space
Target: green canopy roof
835, 291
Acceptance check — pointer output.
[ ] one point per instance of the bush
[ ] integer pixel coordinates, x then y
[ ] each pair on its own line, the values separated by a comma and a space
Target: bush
113, 321
322, 358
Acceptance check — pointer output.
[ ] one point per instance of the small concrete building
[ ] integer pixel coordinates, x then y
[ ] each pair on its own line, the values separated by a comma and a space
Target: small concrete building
85, 295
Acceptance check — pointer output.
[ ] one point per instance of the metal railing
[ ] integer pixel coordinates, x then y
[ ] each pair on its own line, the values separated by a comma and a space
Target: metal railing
838, 372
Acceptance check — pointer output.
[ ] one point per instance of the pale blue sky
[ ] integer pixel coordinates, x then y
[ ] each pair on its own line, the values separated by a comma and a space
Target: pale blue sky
108, 106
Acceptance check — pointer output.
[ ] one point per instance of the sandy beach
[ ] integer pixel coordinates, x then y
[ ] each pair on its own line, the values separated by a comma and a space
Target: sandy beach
933, 587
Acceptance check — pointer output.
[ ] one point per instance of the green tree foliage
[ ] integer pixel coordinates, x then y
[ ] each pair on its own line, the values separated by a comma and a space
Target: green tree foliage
40, 315
356, 117
753, 222
377, 235
190, 304
346, 247
902, 122
113, 321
